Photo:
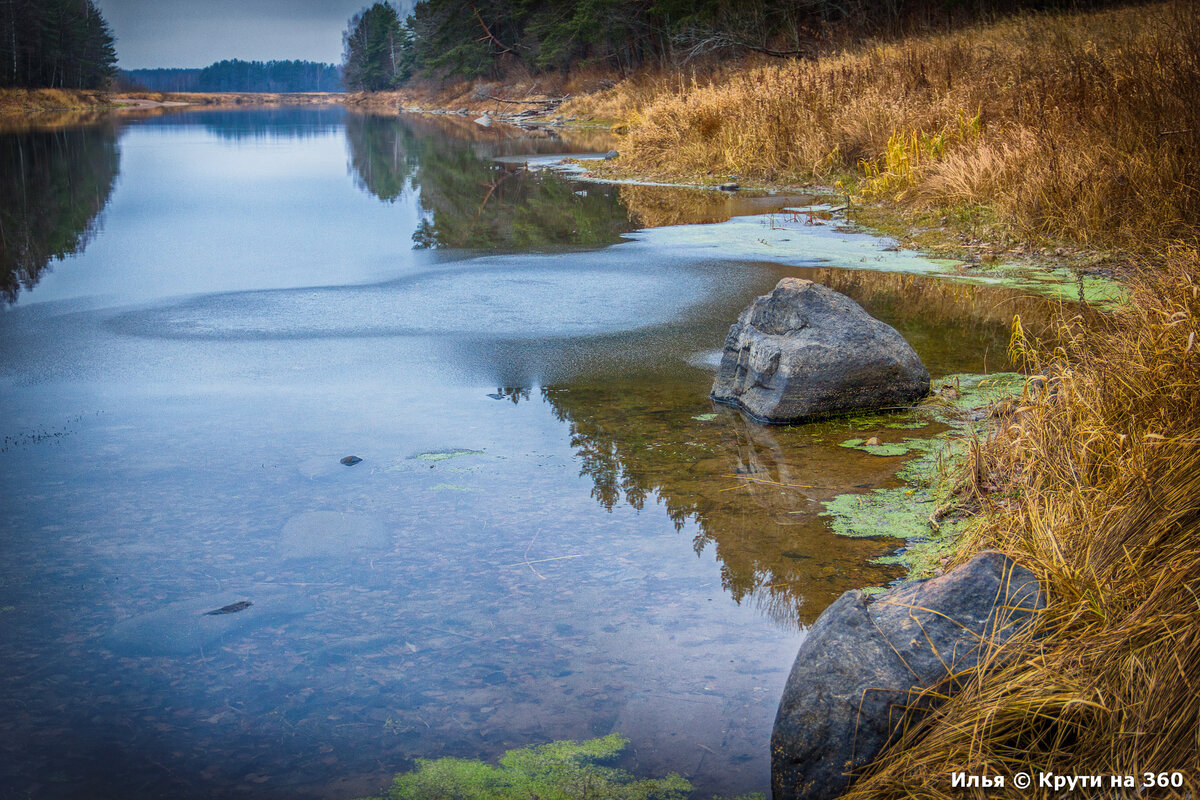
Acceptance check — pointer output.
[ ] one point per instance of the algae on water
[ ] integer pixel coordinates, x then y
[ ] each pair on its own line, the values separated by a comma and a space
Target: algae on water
877, 449
443, 455
911, 511
565, 770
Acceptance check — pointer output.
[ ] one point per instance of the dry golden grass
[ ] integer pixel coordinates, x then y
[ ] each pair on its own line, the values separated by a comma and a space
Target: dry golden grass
227, 99
17, 100
500, 96
1084, 127
1095, 485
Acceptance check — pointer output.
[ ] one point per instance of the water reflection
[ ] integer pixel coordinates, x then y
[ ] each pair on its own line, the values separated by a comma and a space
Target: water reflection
470, 201
555, 533
383, 156
53, 186
656, 206
753, 492
295, 122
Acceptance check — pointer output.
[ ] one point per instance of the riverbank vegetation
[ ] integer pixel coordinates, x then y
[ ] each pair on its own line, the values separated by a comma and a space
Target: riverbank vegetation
13, 100
1092, 484
1034, 132
1076, 127
499, 39
1080, 129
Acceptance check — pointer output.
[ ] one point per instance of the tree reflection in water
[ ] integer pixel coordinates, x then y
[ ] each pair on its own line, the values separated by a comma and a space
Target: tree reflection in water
755, 493
471, 201
53, 186
752, 492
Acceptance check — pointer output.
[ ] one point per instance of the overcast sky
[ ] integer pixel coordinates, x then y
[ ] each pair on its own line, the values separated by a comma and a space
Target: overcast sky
195, 33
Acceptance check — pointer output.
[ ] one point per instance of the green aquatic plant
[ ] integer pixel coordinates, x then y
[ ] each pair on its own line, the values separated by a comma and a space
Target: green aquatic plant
445, 455
914, 511
876, 448
565, 770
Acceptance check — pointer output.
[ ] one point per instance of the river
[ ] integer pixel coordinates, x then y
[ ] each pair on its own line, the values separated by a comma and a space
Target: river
552, 532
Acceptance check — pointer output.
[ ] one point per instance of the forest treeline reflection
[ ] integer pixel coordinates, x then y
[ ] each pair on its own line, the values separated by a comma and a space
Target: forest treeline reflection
53, 185
756, 493
753, 493
468, 199
259, 123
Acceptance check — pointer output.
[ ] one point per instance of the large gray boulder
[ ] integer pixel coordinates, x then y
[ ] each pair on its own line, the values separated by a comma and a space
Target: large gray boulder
805, 351
856, 677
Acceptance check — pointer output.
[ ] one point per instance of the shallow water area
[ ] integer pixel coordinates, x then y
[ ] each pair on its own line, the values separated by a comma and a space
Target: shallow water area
552, 532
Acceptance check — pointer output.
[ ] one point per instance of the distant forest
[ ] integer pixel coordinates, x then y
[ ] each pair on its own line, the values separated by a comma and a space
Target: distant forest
239, 76
58, 44
487, 38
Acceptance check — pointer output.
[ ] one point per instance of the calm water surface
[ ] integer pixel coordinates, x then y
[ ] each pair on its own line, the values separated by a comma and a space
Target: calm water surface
552, 533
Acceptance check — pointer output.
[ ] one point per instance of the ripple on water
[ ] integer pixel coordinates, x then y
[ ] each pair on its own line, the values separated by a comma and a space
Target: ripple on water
510, 300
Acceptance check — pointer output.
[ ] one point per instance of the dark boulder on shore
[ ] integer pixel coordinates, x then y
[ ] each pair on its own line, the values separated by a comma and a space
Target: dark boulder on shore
805, 351
856, 678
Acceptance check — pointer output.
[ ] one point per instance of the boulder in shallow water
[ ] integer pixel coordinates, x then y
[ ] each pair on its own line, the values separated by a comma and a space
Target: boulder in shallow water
805, 351
204, 623
864, 661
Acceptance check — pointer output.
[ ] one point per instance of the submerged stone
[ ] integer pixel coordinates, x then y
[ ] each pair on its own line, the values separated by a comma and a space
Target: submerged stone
189, 626
331, 534
445, 455
232, 608
350, 461
856, 679
805, 351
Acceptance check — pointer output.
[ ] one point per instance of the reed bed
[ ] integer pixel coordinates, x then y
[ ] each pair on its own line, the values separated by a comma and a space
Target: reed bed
1080, 127
1094, 483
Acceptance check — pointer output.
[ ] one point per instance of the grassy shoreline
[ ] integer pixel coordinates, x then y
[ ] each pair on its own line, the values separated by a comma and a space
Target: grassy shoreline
27, 101
35, 100
1038, 129
1074, 137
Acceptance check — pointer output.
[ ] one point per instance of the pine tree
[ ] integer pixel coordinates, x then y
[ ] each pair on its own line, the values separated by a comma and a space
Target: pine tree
62, 44
377, 49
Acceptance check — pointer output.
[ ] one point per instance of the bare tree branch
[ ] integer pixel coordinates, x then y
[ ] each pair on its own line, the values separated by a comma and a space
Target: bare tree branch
489, 35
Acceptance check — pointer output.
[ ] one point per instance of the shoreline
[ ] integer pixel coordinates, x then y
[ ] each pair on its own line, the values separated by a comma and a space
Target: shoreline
1135, 414
34, 101
1087, 479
